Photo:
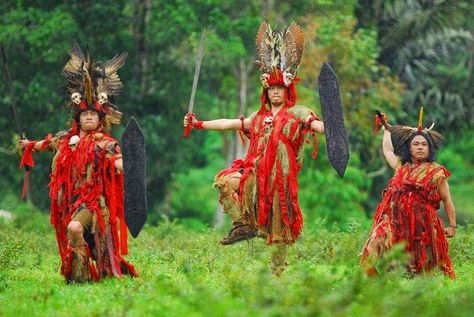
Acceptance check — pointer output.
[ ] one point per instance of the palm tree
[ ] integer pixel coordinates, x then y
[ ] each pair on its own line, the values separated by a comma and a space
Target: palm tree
427, 45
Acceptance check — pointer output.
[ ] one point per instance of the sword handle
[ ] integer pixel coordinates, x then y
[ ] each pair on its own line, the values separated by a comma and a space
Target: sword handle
187, 130
382, 119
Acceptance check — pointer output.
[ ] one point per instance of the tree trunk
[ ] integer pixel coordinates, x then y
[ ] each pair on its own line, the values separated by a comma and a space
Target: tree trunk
240, 149
267, 7
141, 20
235, 148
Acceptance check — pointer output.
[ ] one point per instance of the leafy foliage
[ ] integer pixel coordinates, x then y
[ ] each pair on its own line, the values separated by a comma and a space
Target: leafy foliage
162, 39
429, 45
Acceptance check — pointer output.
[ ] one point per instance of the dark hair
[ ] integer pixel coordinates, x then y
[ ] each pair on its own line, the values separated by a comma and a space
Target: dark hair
405, 152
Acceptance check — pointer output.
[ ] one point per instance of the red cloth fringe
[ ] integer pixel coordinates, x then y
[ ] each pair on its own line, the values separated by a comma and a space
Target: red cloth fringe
286, 188
68, 192
27, 158
409, 206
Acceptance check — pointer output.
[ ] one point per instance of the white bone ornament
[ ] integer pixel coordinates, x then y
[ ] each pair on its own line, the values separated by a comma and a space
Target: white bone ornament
76, 98
103, 98
73, 141
287, 78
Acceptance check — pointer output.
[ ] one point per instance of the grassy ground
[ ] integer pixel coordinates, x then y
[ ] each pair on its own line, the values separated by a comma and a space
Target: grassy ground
185, 273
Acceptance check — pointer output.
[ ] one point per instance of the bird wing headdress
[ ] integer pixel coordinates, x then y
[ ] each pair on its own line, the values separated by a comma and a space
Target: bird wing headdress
93, 85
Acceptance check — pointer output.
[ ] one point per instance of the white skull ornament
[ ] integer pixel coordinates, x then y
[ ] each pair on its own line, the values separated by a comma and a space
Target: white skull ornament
103, 98
73, 142
76, 98
287, 78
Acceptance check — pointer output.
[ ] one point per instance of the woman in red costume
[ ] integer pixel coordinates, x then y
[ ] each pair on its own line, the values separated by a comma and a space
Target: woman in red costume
407, 212
260, 191
86, 187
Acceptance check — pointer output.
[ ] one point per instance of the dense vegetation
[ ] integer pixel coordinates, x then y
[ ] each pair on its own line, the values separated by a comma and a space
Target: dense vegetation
379, 50
390, 55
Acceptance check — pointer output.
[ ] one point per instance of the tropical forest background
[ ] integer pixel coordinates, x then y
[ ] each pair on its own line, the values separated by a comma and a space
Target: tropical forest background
392, 55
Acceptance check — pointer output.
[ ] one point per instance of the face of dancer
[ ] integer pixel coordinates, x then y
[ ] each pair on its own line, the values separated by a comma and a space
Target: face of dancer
89, 120
276, 94
419, 148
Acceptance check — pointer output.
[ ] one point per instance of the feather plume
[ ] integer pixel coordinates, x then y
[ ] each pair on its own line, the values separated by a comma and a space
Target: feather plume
263, 43
277, 50
292, 48
400, 135
113, 115
91, 78
436, 137
111, 83
76, 62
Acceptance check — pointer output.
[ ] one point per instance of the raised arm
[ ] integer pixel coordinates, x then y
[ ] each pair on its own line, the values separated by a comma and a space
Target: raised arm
219, 124
448, 207
388, 151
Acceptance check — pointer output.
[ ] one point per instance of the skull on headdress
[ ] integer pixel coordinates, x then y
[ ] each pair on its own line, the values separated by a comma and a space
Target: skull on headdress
93, 85
76, 98
103, 98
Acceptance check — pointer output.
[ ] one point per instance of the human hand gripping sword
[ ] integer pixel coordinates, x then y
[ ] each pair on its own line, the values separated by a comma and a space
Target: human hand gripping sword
197, 69
382, 118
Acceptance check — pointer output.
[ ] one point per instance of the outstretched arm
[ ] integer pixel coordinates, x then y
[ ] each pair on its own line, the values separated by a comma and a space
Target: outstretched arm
219, 124
316, 125
448, 207
37, 147
388, 151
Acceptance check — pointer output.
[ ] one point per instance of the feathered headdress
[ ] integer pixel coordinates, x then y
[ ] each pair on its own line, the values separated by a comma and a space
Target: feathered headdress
279, 52
278, 57
400, 134
93, 85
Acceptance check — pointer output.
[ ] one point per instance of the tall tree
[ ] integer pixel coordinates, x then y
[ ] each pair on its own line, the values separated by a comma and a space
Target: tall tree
429, 45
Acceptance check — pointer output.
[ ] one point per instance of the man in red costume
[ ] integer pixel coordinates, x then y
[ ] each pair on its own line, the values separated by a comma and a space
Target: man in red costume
260, 192
86, 187
407, 212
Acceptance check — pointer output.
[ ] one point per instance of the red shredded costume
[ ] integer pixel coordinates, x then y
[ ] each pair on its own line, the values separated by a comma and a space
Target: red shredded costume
407, 214
84, 179
86, 187
260, 191
268, 188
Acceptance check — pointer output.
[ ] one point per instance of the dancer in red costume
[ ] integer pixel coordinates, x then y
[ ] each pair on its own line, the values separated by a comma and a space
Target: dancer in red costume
86, 187
260, 192
407, 212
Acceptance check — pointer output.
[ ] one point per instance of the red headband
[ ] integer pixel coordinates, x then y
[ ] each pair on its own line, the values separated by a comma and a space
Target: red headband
290, 90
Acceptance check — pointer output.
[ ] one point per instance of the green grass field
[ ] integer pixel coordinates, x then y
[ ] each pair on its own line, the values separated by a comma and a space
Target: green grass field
186, 273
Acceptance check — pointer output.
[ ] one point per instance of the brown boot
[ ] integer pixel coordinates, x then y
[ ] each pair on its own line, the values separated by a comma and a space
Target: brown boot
239, 232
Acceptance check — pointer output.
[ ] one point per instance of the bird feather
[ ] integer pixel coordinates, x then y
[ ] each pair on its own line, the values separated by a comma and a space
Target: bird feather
292, 48
263, 43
